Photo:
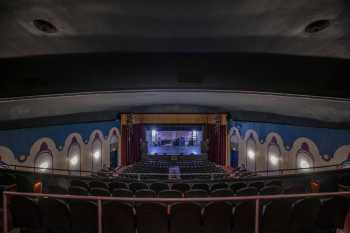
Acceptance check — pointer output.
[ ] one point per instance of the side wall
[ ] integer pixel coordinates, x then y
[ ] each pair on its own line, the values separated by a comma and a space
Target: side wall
323, 146
23, 146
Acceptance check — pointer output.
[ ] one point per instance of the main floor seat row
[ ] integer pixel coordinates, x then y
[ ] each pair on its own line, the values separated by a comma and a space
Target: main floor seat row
297, 216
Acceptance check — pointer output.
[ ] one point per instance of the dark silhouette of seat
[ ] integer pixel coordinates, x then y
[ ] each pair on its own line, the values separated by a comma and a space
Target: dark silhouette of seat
182, 187
25, 213
221, 193
78, 190
79, 183
98, 184
118, 217
55, 215
24, 184
122, 193
56, 189
273, 182
257, 184
344, 180
7, 179
157, 187
304, 215
151, 218
137, 186
185, 218
294, 189
100, 192
217, 218
117, 185
219, 186
145, 193
235, 186
170, 194
244, 217
332, 213
196, 193
84, 216
271, 190
201, 186
248, 191
275, 216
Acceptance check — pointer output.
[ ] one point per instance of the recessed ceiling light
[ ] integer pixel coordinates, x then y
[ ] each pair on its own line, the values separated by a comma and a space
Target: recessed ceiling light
44, 26
317, 26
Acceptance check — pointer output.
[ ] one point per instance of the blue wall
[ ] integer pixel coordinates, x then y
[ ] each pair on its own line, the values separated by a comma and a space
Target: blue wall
20, 141
327, 140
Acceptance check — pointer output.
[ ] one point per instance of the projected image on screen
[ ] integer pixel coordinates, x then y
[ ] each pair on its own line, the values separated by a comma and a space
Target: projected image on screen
174, 140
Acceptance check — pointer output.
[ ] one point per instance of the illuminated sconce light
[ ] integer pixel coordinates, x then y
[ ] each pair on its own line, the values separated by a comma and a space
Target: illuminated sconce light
274, 159
43, 166
97, 155
251, 154
74, 160
304, 163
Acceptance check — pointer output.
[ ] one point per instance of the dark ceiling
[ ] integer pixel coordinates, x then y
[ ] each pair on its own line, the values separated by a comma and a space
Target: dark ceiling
68, 47
263, 26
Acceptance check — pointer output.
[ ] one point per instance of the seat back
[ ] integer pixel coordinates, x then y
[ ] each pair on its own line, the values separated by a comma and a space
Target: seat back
25, 213
79, 183
222, 193
157, 187
248, 191
271, 190
170, 194
257, 184
275, 216
182, 187
303, 215
137, 186
118, 216
55, 215
196, 193
122, 193
219, 186
151, 218
332, 213
236, 186
201, 186
98, 184
185, 218
244, 217
56, 189
273, 182
100, 192
145, 193
117, 185
217, 218
84, 216
77, 190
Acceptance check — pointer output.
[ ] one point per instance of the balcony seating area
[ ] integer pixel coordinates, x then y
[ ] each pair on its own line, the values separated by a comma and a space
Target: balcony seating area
76, 216
297, 214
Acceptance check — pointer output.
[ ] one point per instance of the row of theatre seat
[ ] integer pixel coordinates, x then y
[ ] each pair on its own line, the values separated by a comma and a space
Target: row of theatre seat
139, 189
76, 216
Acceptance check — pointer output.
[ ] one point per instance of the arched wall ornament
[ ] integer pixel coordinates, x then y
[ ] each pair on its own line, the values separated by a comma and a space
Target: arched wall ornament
96, 153
304, 155
40, 159
73, 161
8, 156
273, 147
251, 153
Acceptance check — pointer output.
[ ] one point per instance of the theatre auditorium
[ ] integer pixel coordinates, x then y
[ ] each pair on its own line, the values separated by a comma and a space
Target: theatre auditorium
174, 116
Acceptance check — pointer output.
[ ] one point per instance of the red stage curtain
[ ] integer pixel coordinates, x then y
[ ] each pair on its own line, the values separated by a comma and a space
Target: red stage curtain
217, 143
131, 146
